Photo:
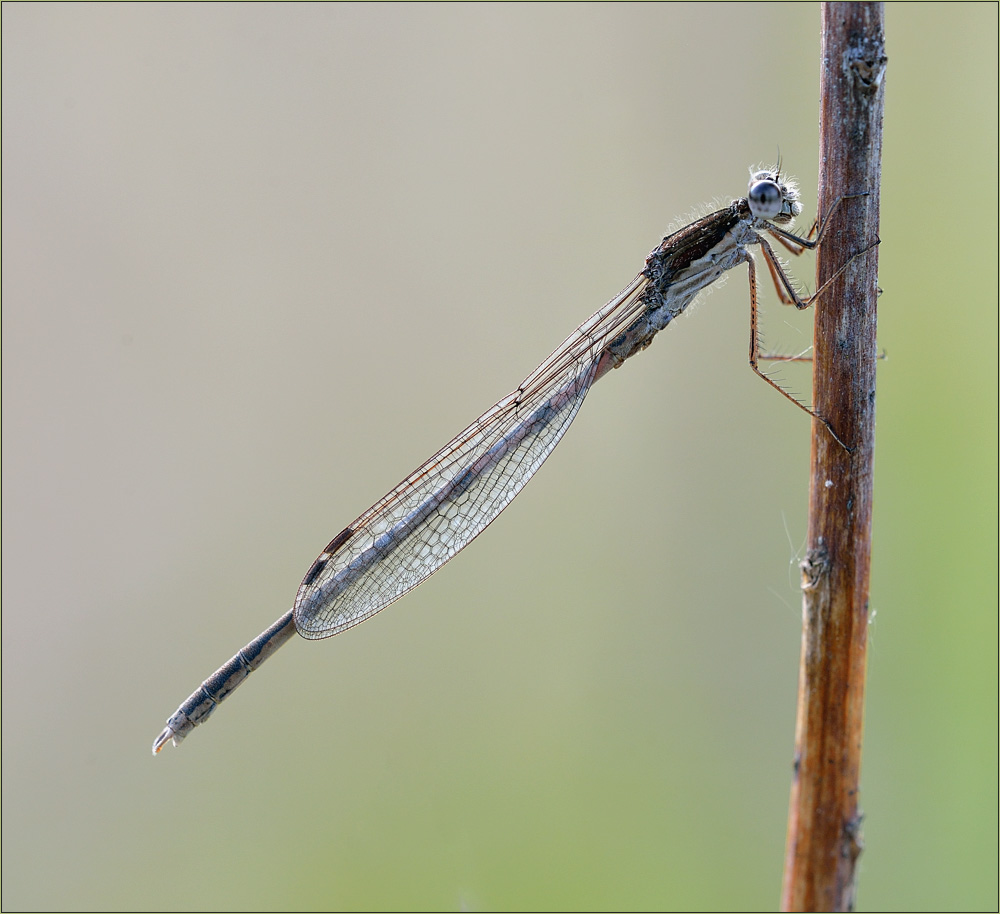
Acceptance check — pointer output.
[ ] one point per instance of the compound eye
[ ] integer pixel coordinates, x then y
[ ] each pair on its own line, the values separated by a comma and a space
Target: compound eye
765, 199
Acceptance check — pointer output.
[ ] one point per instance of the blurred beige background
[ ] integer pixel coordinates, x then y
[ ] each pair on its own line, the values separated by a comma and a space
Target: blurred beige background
260, 261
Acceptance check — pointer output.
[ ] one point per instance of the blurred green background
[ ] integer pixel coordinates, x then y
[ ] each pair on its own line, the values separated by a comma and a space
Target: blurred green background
260, 261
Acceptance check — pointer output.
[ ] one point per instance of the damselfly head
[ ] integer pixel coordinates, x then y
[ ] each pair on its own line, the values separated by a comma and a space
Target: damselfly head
773, 197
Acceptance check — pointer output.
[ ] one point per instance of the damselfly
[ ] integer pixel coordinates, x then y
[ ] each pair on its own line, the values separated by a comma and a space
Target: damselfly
450, 499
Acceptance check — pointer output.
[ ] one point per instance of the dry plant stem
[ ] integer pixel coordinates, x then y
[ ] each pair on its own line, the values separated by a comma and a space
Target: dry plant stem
824, 825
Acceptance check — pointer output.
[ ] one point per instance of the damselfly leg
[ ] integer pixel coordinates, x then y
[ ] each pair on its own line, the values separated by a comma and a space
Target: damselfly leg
795, 244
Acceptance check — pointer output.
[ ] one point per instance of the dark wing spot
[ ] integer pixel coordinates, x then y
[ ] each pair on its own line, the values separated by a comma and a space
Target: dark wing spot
326, 555
315, 569
339, 540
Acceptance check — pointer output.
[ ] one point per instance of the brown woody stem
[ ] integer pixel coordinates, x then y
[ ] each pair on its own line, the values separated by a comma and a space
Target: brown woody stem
824, 825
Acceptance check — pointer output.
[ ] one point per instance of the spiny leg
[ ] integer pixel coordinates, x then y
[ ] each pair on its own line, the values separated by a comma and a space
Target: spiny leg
783, 285
755, 355
787, 294
796, 243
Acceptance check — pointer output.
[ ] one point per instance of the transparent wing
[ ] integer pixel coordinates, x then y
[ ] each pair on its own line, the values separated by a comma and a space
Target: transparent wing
445, 503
